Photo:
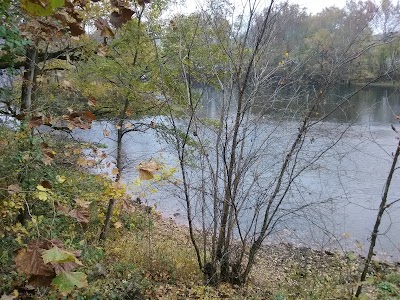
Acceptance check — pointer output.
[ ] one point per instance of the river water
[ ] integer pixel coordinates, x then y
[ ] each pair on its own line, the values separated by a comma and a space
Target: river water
352, 174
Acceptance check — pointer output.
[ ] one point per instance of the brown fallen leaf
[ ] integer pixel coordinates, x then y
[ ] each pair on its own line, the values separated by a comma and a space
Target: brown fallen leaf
14, 189
117, 19
35, 121
125, 205
105, 30
118, 224
90, 162
102, 50
82, 203
145, 175
129, 112
29, 260
115, 171
81, 214
3, 144
147, 170
48, 154
143, 2
89, 116
77, 151
81, 161
62, 209
64, 267
46, 184
91, 101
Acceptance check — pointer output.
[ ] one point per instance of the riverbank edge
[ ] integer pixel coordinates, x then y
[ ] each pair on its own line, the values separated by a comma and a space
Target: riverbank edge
281, 266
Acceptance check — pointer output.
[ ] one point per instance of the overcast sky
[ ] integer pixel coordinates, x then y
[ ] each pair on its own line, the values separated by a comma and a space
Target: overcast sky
315, 6
312, 6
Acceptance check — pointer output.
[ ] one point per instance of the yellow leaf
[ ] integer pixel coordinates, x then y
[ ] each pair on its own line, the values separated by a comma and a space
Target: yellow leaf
61, 179
41, 188
42, 196
137, 182
115, 171
118, 224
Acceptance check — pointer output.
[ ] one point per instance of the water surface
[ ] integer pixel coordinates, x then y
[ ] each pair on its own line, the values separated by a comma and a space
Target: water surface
352, 174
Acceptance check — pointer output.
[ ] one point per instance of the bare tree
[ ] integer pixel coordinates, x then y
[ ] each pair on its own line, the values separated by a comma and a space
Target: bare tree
241, 170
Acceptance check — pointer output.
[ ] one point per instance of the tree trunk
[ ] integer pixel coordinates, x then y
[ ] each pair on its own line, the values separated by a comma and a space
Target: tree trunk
381, 211
111, 202
28, 92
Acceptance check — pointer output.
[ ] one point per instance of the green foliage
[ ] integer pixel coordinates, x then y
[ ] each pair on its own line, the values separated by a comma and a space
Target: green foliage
54, 193
388, 290
279, 296
124, 70
66, 281
37, 9
92, 254
195, 45
393, 278
15, 43
58, 255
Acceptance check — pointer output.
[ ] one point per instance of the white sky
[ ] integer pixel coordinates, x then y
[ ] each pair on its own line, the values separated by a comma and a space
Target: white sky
315, 6
312, 6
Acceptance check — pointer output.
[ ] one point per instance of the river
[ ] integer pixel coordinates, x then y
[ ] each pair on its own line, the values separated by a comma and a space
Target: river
352, 174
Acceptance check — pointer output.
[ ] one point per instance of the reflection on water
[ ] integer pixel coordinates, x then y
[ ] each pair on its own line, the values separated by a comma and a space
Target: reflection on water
352, 174
373, 105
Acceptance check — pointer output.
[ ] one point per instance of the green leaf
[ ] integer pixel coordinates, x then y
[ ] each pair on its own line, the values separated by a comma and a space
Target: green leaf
47, 9
351, 256
58, 255
66, 281
363, 296
370, 280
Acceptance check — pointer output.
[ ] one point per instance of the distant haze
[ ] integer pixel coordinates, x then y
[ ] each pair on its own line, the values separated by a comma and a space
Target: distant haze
316, 6
312, 6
